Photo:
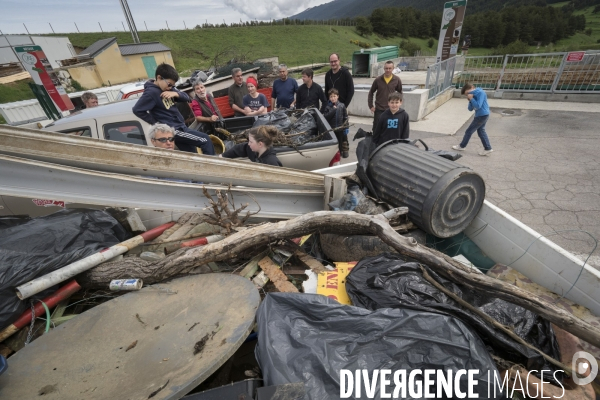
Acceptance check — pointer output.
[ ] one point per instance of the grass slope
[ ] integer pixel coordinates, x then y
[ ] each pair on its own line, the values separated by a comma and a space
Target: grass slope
16, 91
295, 45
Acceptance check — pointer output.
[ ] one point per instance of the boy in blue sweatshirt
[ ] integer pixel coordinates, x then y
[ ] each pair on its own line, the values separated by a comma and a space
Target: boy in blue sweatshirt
478, 102
157, 105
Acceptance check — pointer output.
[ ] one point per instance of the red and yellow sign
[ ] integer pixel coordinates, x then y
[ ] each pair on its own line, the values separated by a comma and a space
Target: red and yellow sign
333, 283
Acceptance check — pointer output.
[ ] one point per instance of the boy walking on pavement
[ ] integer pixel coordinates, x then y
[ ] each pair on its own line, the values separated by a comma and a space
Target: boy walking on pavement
478, 102
393, 122
157, 105
335, 113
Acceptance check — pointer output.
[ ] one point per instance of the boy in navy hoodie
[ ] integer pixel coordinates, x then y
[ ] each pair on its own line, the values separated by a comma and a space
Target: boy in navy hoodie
478, 102
393, 122
157, 105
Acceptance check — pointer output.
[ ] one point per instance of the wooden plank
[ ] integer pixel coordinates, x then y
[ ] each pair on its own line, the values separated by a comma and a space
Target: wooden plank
310, 262
252, 266
276, 276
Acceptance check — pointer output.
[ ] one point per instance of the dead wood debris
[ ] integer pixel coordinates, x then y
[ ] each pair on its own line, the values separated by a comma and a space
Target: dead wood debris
277, 276
192, 327
224, 212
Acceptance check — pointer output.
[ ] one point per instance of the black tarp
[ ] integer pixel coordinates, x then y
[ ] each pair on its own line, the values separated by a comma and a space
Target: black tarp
45, 244
387, 281
311, 338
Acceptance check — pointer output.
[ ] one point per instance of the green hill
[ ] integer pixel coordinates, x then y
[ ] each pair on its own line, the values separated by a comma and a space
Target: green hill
295, 45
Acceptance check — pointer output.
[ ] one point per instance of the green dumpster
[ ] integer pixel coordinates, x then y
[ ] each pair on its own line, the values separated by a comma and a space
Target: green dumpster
364, 58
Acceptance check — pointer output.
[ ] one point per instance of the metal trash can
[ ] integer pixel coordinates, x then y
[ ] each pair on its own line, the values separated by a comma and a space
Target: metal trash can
442, 197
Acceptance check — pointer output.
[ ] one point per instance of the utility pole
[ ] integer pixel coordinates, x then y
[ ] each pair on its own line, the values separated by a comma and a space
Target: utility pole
76, 27
124, 30
100, 27
51, 27
146, 26
185, 26
168, 25
130, 22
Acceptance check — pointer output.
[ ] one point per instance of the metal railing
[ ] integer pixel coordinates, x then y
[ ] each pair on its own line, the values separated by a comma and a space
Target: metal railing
483, 71
545, 72
579, 77
440, 76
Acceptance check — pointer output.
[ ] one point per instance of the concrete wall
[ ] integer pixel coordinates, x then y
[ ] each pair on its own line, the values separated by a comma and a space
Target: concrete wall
415, 63
540, 96
435, 103
88, 77
414, 103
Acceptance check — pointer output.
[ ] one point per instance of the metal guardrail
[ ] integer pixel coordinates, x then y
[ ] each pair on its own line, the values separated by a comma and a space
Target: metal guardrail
440, 76
544, 72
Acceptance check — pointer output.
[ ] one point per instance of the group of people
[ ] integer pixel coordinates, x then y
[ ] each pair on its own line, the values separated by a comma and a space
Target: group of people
157, 106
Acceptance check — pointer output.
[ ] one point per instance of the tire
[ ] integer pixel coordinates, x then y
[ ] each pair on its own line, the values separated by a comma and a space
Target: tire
342, 248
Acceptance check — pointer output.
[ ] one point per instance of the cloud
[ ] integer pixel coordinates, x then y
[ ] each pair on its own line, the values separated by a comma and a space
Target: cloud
269, 9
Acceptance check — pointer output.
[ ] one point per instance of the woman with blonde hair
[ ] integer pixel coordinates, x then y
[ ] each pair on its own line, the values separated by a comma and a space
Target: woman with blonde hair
258, 148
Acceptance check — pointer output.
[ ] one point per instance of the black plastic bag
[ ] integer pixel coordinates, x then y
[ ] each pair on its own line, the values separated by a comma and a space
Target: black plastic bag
449, 155
387, 281
310, 338
306, 125
278, 118
48, 243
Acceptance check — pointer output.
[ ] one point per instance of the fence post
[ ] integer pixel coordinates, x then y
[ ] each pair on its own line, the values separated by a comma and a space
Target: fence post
559, 73
502, 72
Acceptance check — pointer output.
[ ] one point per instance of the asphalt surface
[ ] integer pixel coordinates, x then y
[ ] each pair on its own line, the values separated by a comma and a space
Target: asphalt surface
544, 170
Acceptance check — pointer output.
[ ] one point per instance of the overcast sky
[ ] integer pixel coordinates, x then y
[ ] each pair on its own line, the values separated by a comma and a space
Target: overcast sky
64, 14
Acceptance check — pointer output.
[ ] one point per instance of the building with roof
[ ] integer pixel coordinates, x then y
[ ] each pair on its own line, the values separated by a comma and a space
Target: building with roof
107, 63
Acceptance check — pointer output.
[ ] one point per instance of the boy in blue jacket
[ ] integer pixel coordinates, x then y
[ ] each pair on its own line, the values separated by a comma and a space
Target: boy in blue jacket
478, 102
157, 105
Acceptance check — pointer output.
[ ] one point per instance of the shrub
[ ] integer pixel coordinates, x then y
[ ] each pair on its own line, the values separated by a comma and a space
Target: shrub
516, 47
363, 26
409, 48
377, 44
588, 31
335, 30
77, 86
430, 43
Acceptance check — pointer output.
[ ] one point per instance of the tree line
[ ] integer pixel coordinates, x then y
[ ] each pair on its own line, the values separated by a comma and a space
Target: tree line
490, 29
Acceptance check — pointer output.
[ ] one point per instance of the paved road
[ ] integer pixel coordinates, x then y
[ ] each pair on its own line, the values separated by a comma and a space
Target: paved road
544, 170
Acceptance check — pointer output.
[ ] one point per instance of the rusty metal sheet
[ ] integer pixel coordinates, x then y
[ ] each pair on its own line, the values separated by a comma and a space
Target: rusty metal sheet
159, 342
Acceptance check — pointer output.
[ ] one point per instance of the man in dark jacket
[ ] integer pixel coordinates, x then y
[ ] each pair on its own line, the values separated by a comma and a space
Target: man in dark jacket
339, 78
157, 104
383, 85
310, 94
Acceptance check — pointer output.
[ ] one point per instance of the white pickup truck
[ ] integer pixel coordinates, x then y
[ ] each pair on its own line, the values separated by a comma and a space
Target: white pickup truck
116, 122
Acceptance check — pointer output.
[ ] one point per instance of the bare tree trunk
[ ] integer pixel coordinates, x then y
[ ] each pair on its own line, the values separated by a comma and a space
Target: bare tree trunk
185, 260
